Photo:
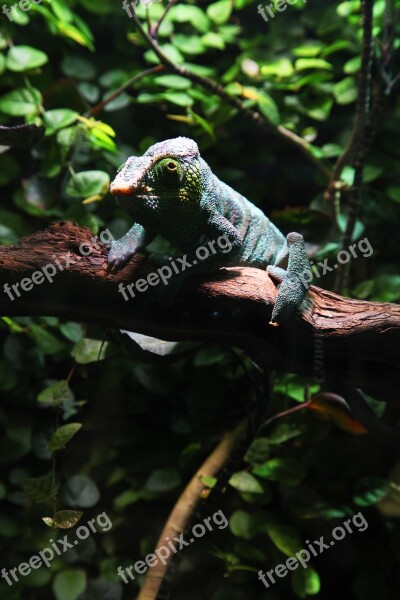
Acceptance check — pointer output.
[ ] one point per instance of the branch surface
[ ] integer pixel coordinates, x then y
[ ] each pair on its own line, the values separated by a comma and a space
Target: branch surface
361, 339
180, 516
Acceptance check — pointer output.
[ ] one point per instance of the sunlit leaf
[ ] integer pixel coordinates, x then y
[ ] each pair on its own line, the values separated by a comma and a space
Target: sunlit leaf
24, 58
63, 435
63, 519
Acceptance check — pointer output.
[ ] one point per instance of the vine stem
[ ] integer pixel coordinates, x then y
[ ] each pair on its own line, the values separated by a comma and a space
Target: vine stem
187, 503
99, 107
214, 87
364, 93
154, 29
360, 139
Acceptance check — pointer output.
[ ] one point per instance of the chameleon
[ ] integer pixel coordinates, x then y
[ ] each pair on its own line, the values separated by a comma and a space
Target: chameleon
171, 191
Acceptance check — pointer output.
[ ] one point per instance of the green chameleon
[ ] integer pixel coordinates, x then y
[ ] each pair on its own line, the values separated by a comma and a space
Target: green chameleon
171, 191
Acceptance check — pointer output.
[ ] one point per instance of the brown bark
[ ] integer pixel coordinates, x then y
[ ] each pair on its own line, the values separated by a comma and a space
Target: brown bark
360, 339
179, 518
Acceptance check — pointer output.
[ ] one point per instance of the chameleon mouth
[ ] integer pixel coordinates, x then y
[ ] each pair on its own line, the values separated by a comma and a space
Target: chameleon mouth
128, 201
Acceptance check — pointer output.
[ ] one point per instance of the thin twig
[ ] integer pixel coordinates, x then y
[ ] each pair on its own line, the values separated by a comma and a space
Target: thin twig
99, 107
215, 88
154, 29
187, 503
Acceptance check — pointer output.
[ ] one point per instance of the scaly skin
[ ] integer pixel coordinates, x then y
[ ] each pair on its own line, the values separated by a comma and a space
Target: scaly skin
171, 191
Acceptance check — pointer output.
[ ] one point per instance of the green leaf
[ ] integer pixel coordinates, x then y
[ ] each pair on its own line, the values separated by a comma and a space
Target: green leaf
280, 68
21, 102
178, 98
126, 498
285, 538
394, 193
188, 44
88, 183
87, 351
183, 13
47, 342
23, 58
284, 430
63, 435
258, 452
213, 40
72, 331
209, 482
308, 50
305, 582
372, 172
58, 118
345, 91
78, 67
288, 471
268, 108
63, 519
205, 125
220, 11
173, 81
162, 480
243, 525
62, 11
370, 490
312, 63
69, 585
75, 33
56, 394
40, 489
352, 66
245, 482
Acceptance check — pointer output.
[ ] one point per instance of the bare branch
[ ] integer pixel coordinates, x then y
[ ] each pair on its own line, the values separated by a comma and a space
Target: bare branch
186, 505
99, 107
154, 29
361, 339
279, 131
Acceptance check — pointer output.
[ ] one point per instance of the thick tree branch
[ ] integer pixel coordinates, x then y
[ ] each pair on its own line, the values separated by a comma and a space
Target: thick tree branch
361, 339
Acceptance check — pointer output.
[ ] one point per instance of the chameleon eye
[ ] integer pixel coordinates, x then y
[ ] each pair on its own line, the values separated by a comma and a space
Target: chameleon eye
169, 172
171, 166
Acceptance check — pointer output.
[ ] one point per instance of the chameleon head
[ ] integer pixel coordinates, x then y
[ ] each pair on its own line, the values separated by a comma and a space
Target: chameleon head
166, 177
